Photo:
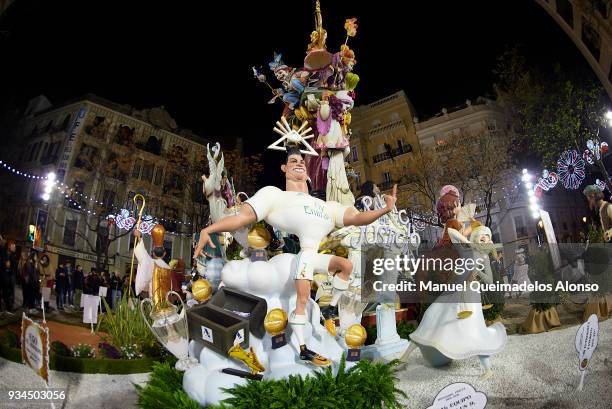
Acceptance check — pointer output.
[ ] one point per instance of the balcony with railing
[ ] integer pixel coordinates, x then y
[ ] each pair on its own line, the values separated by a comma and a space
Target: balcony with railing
401, 150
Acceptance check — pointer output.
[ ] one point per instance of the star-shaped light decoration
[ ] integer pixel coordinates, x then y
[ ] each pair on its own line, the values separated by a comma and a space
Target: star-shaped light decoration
293, 137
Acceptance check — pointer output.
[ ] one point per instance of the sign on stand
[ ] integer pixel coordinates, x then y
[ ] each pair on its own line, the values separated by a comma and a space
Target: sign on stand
35, 347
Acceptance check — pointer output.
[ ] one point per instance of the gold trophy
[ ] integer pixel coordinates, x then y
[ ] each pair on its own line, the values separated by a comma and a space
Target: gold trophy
275, 324
355, 337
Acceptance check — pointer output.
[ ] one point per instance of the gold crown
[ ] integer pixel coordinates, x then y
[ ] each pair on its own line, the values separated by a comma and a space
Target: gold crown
201, 290
276, 321
259, 237
355, 336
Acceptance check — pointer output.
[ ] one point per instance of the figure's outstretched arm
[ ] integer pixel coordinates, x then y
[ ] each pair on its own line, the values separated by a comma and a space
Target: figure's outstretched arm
353, 217
232, 223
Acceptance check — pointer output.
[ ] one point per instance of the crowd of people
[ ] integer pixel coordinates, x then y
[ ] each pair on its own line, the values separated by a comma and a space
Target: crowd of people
27, 270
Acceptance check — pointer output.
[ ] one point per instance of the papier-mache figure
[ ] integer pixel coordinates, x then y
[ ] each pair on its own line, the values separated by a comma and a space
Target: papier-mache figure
294, 211
154, 274
453, 327
293, 81
595, 197
322, 95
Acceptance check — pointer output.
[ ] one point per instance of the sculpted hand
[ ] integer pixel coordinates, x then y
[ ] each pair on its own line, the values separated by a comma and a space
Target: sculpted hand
204, 240
391, 199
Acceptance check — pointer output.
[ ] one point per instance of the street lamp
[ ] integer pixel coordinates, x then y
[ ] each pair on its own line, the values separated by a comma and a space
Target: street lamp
48, 184
584, 219
609, 117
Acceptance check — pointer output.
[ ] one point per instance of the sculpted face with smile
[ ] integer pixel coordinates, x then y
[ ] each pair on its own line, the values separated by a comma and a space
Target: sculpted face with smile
295, 172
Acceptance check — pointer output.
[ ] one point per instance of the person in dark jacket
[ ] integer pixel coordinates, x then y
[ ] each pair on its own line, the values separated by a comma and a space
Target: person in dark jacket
30, 278
60, 280
14, 260
69, 289
92, 283
116, 287
77, 282
5, 277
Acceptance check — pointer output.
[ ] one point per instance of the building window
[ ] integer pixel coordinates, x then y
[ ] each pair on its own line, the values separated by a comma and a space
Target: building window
564, 8
44, 151
198, 193
136, 169
354, 154
170, 219
31, 152
70, 227
147, 172
168, 248
386, 177
590, 38
66, 122
159, 174
102, 239
519, 225
132, 240
108, 198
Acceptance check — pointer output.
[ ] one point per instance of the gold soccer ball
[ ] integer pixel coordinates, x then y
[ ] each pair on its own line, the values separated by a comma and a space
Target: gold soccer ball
259, 237
201, 290
355, 336
276, 321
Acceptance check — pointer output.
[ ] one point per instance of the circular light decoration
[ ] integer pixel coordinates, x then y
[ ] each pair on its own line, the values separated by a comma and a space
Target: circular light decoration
570, 168
125, 221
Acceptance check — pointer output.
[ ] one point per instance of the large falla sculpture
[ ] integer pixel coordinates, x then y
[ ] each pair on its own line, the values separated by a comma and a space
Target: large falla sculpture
256, 326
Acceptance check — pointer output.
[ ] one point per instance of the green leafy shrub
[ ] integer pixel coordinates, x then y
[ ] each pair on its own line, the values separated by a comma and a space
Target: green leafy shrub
125, 326
371, 331
83, 351
364, 386
61, 349
11, 339
164, 389
404, 329
493, 312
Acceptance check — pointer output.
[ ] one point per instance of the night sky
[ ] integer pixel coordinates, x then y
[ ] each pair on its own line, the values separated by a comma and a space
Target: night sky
195, 58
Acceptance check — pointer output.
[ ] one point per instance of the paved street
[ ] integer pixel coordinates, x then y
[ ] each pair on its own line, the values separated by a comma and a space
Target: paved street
534, 371
85, 391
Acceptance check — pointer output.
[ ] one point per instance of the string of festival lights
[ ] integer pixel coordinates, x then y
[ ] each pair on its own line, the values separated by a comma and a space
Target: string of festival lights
51, 183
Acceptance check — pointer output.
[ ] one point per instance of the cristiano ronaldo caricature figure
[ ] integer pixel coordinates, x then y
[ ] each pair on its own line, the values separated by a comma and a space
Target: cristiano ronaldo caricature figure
294, 211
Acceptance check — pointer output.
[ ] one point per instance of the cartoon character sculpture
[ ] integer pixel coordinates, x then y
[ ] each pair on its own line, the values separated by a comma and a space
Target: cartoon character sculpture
323, 94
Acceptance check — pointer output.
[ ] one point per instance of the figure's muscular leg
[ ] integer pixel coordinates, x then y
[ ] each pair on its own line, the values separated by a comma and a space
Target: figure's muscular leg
341, 265
298, 322
340, 284
302, 288
344, 268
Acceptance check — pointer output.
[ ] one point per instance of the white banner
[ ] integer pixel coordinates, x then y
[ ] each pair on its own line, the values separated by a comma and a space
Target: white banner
69, 145
46, 293
90, 308
102, 291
